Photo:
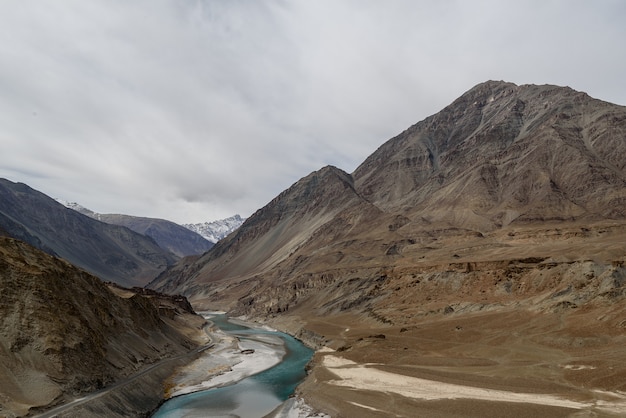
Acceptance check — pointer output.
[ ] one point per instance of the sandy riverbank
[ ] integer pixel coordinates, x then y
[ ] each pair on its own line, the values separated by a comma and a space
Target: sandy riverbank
507, 363
225, 363
367, 377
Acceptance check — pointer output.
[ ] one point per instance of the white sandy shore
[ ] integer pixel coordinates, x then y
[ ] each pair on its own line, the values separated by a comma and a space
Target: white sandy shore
224, 364
366, 377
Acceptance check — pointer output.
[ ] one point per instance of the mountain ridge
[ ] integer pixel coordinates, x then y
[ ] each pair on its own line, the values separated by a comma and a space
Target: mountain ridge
167, 234
499, 156
111, 252
214, 231
170, 236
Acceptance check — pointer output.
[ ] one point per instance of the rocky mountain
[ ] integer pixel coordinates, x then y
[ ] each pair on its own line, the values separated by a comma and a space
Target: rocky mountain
64, 333
501, 156
169, 235
504, 154
111, 252
488, 236
216, 230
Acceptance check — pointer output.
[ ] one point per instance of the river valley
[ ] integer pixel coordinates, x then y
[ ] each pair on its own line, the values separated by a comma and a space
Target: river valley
256, 375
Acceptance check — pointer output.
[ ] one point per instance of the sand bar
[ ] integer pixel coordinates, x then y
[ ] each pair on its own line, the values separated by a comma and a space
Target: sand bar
225, 364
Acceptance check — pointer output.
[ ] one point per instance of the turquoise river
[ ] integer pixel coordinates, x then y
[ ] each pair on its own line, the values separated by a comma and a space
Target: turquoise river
252, 397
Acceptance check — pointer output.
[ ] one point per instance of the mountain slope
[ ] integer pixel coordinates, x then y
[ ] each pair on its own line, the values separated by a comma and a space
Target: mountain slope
299, 215
63, 332
178, 240
110, 252
500, 156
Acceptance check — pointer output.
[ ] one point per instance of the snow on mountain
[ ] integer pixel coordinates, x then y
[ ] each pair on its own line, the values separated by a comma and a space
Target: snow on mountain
211, 231
216, 230
79, 208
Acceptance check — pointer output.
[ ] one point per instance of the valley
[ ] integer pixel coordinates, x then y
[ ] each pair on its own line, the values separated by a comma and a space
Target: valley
474, 265
483, 247
549, 328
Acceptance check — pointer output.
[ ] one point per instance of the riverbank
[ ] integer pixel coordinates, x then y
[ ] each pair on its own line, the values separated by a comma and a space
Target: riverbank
505, 363
248, 361
139, 393
230, 360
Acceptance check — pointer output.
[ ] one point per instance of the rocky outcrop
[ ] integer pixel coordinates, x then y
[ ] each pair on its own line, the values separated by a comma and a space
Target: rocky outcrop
63, 332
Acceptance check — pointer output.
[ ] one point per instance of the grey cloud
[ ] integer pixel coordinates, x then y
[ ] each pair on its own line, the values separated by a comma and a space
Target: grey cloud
197, 110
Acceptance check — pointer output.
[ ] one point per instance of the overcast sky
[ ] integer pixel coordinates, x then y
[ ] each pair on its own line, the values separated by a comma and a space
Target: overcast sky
194, 110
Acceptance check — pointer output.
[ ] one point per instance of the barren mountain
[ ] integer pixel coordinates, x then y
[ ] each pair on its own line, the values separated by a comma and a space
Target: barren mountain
503, 153
110, 252
64, 332
169, 235
501, 156
483, 246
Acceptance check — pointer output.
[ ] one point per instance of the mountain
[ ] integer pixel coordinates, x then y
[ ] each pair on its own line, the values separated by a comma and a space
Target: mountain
499, 156
503, 153
64, 333
79, 208
169, 235
483, 246
216, 230
111, 252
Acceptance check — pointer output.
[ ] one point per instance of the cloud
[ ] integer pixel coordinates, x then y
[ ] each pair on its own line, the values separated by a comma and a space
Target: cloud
197, 110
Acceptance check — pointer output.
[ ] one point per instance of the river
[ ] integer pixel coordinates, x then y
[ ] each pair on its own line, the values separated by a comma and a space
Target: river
252, 397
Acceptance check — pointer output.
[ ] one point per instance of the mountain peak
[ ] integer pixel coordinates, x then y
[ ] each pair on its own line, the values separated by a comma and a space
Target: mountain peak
494, 147
216, 230
489, 88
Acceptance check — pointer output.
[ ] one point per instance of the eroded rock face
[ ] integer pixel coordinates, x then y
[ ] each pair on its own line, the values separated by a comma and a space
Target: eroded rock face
63, 332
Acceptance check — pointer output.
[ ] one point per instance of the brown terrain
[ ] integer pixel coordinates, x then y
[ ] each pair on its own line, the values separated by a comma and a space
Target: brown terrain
472, 266
64, 334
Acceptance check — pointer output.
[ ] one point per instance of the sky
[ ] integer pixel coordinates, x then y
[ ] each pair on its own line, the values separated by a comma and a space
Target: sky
196, 110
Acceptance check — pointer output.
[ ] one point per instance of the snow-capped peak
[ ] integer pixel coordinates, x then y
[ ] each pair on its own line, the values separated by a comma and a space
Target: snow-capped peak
79, 208
216, 230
